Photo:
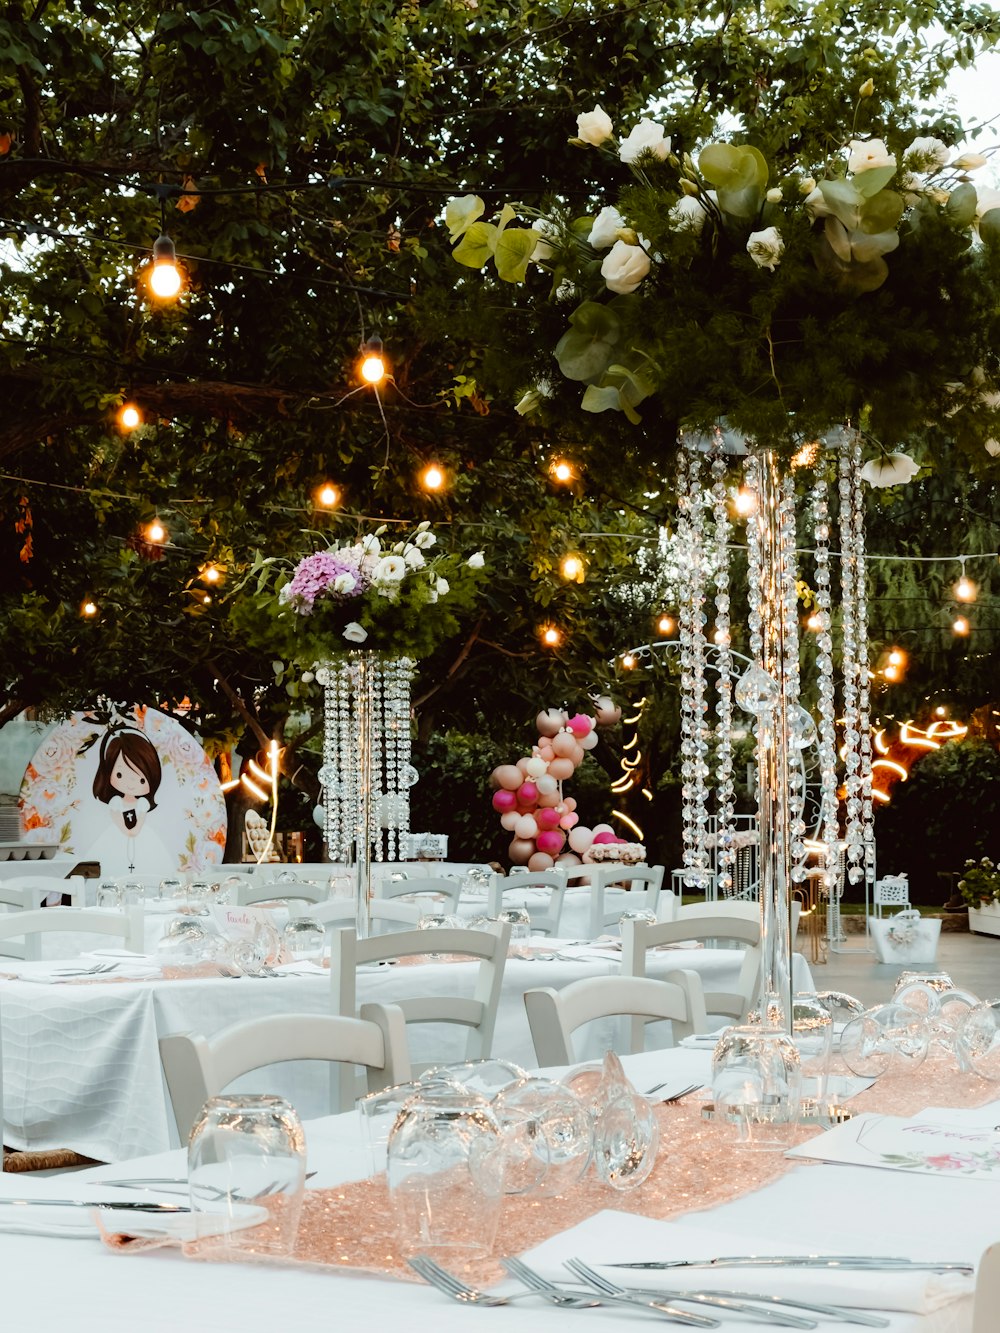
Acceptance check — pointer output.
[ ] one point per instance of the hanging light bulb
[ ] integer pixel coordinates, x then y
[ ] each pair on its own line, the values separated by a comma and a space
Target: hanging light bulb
372, 369
815, 623
573, 568
562, 471
129, 416
88, 608
665, 625
891, 672
964, 589
211, 573
897, 657
550, 636
628, 661
960, 626
156, 532
164, 276
328, 495
432, 478
744, 502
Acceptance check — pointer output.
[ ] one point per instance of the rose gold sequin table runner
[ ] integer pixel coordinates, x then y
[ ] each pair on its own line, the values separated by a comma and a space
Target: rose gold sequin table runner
699, 1166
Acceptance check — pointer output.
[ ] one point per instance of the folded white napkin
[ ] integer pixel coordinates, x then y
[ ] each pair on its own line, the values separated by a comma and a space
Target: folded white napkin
131, 967
610, 1237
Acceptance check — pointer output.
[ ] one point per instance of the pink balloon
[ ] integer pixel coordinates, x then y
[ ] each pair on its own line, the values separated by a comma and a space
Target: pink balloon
508, 820
546, 784
507, 776
520, 850
562, 769
526, 827
566, 821
581, 838
548, 818
527, 794
568, 859
580, 725
504, 800
549, 798
549, 721
564, 744
606, 712
604, 837
589, 741
546, 751
570, 802
540, 861
522, 765
576, 754
551, 841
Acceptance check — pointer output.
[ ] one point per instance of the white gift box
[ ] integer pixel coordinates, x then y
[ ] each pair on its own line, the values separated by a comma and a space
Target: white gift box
906, 937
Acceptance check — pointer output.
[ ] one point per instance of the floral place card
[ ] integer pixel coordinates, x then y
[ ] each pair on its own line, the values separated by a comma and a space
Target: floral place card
916, 1145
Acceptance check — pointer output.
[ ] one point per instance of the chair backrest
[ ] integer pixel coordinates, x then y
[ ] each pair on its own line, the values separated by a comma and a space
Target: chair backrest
197, 1067
643, 882
544, 920
385, 916
987, 1294
890, 891
26, 891
555, 1015
738, 922
478, 1013
254, 891
29, 925
439, 886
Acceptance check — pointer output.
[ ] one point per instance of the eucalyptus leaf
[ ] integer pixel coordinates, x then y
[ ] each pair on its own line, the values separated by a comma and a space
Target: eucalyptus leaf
461, 213
843, 200
882, 212
868, 183
601, 399
476, 246
989, 227
588, 346
513, 250
961, 207
865, 247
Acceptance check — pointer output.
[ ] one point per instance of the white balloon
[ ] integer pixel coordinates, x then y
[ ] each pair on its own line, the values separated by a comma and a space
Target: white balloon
580, 839
547, 785
603, 828
508, 820
319, 816
526, 827
589, 741
535, 767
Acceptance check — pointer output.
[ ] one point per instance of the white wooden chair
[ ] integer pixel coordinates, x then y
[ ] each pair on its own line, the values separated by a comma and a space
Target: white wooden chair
386, 915
197, 1067
986, 1300
253, 892
729, 921
28, 926
440, 887
24, 892
544, 921
477, 1013
644, 883
554, 1015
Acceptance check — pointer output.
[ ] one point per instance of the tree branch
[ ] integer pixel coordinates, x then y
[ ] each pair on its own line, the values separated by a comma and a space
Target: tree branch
237, 701
462, 655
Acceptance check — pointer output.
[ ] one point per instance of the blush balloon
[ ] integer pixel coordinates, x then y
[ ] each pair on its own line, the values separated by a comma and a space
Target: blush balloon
509, 819
569, 859
520, 850
522, 766
580, 839
546, 752
546, 784
548, 818
588, 742
551, 841
540, 861
550, 721
526, 827
562, 769
570, 802
504, 800
564, 744
575, 755
565, 822
606, 712
600, 838
580, 725
549, 798
507, 776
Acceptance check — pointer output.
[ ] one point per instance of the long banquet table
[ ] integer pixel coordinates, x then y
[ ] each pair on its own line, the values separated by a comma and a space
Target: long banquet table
77, 1283
81, 1060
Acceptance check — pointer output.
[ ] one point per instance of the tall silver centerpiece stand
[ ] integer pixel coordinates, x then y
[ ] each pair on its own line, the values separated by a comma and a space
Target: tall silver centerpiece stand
366, 772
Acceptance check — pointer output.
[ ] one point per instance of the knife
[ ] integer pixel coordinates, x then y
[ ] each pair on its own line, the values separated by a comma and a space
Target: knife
804, 1261
137, 1205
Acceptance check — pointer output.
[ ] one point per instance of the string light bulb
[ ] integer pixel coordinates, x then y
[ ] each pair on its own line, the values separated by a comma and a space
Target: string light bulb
211, 573
628, 661
165, 279
814, 623
744, 502
372, 369
129, 416
960, 626
964, 589
550, 636
432, 478
897, 657
665, 625
562, 471
572, 568
156, 532
88, 608
327, 495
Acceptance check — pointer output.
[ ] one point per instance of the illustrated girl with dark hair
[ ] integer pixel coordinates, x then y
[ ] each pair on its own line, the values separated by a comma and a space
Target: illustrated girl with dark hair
127, 779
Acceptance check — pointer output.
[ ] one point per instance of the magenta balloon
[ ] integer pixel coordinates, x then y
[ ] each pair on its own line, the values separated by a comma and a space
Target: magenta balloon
589, 741
520, 850
549, 721
564, 744
504, 800
551, 841
548, 818
509, 819
562, 769
604, 837
581, 838
566, 821
580, 725
526, 827
507, 776
527, 794
540, 861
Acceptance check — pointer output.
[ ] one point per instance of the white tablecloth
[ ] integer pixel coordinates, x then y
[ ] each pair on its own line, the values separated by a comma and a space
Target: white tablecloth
82, 1067
52, 1284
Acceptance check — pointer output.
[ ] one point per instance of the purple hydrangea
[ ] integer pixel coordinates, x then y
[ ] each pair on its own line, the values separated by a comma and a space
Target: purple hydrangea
338, 575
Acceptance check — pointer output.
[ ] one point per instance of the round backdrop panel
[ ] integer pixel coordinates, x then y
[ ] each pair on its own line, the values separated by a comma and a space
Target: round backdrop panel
138, 795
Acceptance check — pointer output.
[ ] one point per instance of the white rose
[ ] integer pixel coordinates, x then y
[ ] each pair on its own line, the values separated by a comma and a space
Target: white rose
688, 214
774, 196
865, 154
424, 539
892, 470
370, 545
766, 247
624, 267
927, 154
345, 584
808, 185
528, 403
647, 137
987, 198
442, 587
992, 447
969, 162
594, 127
476, 561
355, 633
414, 557
606, 226
308, 677
390, 569
544, 249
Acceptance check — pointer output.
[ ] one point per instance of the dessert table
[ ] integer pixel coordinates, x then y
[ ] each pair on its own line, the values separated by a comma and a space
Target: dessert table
812, 1207
81, 1060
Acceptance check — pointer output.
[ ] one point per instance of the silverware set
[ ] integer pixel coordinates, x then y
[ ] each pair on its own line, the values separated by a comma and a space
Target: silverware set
674, 1096
592, 1288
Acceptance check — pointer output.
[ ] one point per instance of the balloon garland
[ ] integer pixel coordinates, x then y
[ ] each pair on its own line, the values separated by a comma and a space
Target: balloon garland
528, 795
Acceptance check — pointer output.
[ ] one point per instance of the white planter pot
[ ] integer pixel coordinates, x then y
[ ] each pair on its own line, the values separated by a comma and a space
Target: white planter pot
985, 920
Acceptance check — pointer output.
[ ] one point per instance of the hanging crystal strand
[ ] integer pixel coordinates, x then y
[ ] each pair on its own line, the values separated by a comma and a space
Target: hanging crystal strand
379, 783
754, 584
851, 665
725, 796
694, 747
800, 724
829, 810
366, 804
404, 673
866, 871
333, 775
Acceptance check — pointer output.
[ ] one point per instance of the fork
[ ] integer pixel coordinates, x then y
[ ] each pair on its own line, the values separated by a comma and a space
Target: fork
840, 1313
519, 1269
675, 1097
719, 1300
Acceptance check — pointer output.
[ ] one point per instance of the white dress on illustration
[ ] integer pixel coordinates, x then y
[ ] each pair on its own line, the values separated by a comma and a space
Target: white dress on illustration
141, 853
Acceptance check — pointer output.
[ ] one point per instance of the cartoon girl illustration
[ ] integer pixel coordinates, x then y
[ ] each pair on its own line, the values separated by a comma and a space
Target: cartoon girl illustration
127, 779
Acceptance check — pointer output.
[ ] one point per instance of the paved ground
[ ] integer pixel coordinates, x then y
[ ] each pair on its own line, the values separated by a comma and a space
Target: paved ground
972, 962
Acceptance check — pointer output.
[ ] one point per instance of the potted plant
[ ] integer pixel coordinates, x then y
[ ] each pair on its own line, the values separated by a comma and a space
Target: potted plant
980, 887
